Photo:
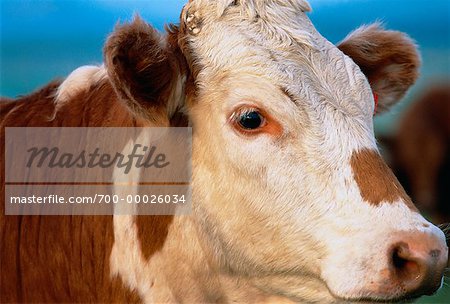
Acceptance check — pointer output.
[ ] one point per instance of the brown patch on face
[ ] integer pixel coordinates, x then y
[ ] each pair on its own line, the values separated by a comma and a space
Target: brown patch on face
152, 232
375, 180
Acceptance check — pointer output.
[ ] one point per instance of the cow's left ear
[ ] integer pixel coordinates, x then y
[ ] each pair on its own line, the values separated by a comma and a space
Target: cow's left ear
389, 59
144, 67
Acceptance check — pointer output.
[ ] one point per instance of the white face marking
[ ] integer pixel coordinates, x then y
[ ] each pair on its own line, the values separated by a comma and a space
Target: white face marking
292, 197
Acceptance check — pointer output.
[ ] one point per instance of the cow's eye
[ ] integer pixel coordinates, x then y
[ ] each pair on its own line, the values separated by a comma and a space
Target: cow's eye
250, 120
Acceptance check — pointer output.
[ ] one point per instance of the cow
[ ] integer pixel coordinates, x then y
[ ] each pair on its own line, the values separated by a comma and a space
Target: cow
419, 149
291, 200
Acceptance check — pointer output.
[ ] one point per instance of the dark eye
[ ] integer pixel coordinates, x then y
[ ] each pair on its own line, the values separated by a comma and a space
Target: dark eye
250, 120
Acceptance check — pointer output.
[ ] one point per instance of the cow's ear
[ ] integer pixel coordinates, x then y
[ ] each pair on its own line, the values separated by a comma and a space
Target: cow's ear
144, 68
389, 59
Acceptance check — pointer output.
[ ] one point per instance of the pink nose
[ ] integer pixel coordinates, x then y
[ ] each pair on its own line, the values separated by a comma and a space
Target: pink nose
417, 263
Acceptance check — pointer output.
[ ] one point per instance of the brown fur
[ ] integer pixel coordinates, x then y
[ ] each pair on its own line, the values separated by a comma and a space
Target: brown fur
152, 237
375, 180
141, 70
389, 59
66, 258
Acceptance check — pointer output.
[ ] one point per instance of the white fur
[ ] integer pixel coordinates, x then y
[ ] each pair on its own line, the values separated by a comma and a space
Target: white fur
177, 96
275, 214
293, 198
79, 80
127, 260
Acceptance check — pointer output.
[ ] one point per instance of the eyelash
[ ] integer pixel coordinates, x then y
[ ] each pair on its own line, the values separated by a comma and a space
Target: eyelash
242, 111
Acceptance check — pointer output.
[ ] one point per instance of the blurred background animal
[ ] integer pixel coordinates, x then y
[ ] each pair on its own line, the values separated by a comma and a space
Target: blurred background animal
419, 151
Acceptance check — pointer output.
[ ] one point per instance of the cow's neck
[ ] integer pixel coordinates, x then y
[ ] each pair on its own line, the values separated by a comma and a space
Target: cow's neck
185, 267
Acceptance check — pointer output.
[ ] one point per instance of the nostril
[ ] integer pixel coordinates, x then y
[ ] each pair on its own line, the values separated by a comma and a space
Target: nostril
406, 267
435, 254
416, 264
414, 271
397, 257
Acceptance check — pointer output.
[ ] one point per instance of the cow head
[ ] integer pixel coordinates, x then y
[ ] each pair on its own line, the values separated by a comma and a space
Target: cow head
289, 188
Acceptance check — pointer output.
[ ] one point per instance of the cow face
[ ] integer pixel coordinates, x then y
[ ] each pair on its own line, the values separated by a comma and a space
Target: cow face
289, 187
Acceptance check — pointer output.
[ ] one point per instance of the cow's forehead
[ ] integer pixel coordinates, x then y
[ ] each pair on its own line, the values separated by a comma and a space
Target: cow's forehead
273, 39
267, 25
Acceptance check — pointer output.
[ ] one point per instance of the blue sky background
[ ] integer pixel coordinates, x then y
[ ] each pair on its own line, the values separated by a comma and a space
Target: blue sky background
45, 39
